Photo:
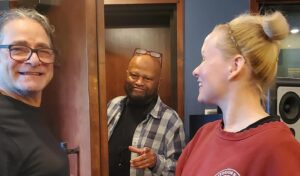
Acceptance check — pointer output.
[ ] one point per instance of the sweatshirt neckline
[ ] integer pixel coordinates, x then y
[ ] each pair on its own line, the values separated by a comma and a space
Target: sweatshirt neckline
233, 136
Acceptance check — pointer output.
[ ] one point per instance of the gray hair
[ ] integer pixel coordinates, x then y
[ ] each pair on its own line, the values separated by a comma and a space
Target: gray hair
21, 13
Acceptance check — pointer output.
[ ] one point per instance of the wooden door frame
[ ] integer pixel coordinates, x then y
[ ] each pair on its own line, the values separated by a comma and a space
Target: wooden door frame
92, 45
180, 38
100, 164
98, 127
97, 87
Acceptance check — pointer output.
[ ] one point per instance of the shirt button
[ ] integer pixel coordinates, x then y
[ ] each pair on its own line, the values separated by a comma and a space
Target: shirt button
120, 164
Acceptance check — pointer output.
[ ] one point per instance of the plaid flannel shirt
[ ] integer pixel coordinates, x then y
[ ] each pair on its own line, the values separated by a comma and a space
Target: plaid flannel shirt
162, 131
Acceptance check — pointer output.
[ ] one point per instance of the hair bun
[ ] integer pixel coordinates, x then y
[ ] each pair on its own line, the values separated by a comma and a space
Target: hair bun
275, 26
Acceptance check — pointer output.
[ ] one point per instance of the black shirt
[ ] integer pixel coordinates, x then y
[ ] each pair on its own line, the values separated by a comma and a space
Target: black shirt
119, 155
27, 148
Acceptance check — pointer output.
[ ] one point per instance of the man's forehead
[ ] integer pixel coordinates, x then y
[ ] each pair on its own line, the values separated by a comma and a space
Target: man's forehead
144, 59
14, 32
144, 66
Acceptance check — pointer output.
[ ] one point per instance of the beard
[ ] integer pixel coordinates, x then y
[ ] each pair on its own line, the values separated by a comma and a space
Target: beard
139, 99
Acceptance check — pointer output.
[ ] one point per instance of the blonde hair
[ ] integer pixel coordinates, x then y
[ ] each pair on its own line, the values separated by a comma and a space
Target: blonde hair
256, 37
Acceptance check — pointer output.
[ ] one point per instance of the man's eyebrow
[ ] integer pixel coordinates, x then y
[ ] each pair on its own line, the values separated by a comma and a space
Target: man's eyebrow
25, 43
19, 42
42, 45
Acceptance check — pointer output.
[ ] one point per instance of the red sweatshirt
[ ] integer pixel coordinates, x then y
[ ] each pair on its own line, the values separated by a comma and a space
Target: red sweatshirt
267, 150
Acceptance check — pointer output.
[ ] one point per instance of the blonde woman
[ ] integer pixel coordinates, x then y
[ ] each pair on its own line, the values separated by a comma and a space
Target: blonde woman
239, 64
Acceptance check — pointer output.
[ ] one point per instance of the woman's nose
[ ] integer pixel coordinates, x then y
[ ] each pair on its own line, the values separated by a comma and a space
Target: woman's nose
196, 71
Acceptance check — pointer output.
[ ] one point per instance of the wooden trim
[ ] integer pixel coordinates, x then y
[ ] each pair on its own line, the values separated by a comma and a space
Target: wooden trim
180, 58
114, 2
254, 6
97, 131
13, 4
102, 89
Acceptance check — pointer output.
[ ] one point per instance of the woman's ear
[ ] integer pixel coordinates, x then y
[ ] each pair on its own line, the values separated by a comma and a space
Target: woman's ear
236, 65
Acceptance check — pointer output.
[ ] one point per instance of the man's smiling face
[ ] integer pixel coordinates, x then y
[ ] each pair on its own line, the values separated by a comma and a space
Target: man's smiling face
29, 76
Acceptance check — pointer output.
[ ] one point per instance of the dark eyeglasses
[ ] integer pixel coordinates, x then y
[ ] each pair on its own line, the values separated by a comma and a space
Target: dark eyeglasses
23, 53
146, 52
140, 51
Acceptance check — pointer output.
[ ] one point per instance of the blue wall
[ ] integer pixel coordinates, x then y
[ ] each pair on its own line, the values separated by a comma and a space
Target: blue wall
200, 18
4, 5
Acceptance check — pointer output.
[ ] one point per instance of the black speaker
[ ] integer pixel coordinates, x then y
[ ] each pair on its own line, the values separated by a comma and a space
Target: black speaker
284, 100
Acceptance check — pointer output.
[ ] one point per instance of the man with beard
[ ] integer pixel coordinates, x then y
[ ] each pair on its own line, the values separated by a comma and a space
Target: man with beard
146, 136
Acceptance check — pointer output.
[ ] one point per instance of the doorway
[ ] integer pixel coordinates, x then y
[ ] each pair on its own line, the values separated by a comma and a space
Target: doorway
148, 26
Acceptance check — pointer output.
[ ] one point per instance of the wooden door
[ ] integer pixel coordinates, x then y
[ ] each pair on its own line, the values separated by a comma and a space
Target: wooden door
152, 26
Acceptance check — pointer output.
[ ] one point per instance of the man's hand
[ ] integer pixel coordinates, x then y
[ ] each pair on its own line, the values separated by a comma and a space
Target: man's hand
146, 158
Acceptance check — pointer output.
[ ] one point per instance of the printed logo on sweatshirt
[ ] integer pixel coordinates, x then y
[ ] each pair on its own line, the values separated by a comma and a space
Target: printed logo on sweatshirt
228, 172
